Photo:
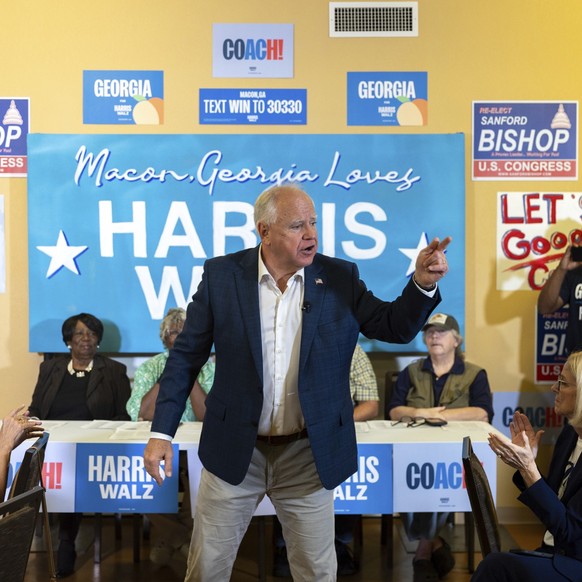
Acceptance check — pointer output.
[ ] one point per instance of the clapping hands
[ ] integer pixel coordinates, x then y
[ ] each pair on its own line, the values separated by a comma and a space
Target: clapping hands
521, 429
520, 452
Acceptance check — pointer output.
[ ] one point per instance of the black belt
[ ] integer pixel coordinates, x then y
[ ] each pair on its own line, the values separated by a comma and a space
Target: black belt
282, 439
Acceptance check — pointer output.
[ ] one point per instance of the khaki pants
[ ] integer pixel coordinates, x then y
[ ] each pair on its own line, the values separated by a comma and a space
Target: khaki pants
288, 476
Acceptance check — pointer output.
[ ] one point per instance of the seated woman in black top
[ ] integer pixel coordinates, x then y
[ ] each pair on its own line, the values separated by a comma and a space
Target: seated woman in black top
79, 386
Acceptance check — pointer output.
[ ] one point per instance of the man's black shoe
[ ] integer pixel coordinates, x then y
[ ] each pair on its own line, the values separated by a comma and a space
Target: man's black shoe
346, 565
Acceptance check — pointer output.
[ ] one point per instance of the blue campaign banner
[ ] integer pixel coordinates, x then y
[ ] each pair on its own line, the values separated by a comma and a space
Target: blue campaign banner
253, 106
551, 352
123, 97
120, 225
14, 128
111, 478
369, 489
525, 140
382, 98
430, 477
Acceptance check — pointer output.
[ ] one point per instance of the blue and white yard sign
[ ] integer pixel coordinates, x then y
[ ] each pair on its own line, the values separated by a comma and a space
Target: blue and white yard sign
387, 98
120, 225
369, 489
253, 106
111, 478
431, 478
550, 348
123, 97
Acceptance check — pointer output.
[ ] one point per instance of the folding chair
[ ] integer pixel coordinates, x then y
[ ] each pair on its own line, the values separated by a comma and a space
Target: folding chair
17, 524
482, 503
29, 476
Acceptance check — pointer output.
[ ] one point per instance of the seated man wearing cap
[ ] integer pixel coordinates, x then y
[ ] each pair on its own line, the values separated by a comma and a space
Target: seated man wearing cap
444, 387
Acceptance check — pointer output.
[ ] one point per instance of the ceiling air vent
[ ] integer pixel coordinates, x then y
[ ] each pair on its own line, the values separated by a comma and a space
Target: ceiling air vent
373, 19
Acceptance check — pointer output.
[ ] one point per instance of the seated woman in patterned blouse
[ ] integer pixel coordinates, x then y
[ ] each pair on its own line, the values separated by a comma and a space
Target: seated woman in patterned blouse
142, 402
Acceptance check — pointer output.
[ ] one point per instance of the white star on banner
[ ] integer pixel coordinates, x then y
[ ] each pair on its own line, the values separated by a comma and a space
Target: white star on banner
62, 255
412, 254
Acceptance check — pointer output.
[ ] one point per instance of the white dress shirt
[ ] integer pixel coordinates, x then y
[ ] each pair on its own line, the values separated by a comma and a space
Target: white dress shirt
281, 318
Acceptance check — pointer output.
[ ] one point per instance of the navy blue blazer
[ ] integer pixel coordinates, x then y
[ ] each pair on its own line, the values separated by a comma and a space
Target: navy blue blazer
562, 517
224, 313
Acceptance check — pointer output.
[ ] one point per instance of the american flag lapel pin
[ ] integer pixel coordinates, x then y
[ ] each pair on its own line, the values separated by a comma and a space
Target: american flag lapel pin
319, 281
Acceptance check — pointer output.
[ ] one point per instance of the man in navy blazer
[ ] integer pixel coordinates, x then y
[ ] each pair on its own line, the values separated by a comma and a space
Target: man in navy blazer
284, 322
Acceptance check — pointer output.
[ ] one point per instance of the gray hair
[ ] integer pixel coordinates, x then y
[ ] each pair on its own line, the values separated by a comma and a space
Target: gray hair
175, 315
266, 203
458, 337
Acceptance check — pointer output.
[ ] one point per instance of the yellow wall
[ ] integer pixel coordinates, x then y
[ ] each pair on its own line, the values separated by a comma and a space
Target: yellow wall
477, 50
